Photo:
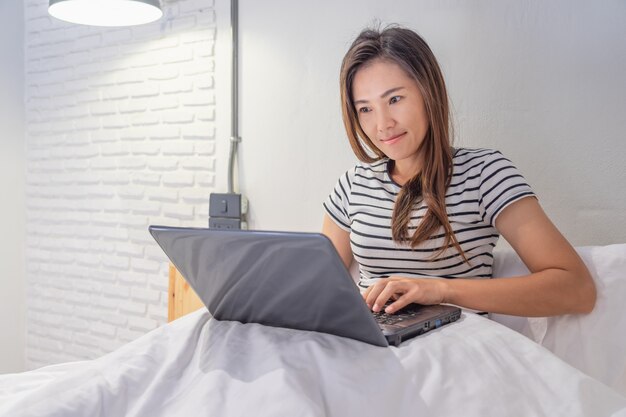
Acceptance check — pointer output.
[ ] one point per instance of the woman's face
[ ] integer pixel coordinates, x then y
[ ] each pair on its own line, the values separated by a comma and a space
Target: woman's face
391, 112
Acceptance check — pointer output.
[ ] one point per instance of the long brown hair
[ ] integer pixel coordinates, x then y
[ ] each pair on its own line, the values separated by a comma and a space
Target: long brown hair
407, 49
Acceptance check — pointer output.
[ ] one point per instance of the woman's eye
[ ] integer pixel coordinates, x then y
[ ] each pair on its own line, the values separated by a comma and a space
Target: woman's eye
364, 110
394, 99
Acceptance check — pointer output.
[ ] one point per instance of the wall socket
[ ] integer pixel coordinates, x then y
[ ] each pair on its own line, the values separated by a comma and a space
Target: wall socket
224, 223
227, 211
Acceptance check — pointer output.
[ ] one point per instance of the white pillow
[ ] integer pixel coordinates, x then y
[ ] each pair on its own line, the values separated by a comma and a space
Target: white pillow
595, 343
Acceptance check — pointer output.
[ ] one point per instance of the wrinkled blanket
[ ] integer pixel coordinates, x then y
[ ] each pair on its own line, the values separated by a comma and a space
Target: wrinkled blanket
200, 366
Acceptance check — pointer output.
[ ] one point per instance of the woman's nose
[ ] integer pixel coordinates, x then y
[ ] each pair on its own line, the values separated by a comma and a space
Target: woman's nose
384, 120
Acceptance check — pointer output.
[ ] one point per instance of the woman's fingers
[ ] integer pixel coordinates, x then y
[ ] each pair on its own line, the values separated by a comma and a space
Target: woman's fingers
391, 288
372, 292
400, 302
385, 290
403, 291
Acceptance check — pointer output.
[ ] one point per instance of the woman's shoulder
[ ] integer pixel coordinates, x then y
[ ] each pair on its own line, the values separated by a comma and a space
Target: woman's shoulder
376, 166
461, 156
364, 173
376, 169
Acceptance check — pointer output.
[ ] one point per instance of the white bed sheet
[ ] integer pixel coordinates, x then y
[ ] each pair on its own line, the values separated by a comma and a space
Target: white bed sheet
201, 366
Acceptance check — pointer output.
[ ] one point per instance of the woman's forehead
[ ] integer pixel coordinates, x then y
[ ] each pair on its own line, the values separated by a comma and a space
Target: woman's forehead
378, 76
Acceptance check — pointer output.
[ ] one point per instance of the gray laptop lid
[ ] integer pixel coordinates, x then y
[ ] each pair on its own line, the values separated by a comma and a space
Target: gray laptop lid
282, 279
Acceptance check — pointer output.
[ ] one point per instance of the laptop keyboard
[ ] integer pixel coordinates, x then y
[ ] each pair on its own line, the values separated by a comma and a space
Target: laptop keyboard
408, 312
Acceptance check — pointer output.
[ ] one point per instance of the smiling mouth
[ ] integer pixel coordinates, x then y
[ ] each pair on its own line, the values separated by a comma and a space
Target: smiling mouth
393, 139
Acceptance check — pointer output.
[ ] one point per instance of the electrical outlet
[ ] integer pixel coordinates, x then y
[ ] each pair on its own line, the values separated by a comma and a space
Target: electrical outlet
224, 223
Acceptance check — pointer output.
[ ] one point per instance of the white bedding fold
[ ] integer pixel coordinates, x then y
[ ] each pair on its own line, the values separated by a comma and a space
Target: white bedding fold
200, 366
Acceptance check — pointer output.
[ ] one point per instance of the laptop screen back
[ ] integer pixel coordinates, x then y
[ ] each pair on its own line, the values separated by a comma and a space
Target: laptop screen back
282, 279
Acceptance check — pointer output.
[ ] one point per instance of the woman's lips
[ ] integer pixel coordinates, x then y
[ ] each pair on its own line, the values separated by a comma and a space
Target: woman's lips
393, 139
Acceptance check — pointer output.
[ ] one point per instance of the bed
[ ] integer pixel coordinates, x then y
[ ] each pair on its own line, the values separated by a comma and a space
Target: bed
478, 366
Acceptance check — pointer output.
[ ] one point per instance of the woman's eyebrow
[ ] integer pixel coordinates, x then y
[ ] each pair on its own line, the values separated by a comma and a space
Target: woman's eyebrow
383, 95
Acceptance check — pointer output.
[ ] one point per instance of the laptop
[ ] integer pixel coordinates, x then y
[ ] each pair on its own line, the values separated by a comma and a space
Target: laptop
286, 279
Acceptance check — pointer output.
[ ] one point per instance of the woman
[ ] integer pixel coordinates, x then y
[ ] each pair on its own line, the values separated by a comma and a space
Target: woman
416, 213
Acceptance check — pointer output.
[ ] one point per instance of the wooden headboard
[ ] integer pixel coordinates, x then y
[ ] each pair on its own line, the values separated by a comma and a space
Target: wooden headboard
182, 299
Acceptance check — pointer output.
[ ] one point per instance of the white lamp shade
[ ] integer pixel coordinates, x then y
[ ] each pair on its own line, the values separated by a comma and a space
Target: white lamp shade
106, 12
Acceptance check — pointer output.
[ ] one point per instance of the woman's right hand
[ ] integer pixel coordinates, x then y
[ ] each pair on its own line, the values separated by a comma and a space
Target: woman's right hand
404, 291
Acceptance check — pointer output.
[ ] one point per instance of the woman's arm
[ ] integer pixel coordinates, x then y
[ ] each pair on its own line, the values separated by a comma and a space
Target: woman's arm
340, 239
559, 282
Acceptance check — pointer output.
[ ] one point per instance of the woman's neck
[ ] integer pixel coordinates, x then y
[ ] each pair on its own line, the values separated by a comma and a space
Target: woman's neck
403, 170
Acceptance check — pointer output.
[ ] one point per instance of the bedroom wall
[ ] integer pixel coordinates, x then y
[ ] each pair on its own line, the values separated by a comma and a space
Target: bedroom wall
120, 134
12, 299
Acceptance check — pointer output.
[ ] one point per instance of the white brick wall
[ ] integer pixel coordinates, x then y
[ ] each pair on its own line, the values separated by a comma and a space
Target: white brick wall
120, 135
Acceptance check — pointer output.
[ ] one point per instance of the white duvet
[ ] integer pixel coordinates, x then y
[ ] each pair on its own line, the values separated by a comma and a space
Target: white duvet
201, 366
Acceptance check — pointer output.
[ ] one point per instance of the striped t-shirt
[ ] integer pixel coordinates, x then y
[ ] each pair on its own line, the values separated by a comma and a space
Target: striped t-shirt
483, 183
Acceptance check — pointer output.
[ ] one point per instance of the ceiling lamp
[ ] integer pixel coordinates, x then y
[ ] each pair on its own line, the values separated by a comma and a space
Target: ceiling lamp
106, 12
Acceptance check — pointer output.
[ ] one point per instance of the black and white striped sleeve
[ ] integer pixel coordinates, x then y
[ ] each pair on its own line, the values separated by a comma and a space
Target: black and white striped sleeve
501, 184
337, 204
